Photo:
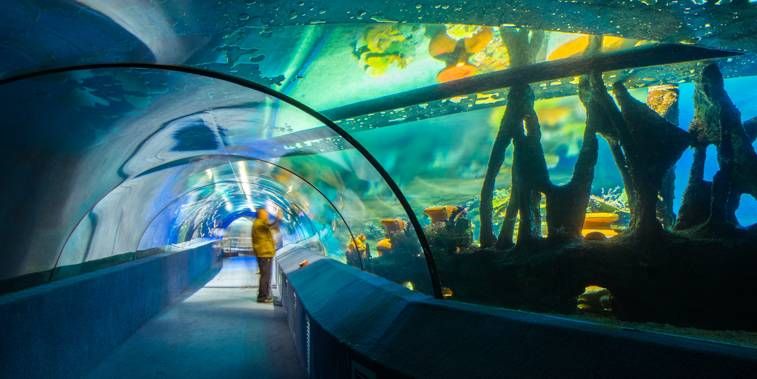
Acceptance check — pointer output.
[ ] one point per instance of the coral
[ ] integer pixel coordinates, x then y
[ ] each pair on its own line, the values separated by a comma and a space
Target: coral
358, 251
384, 46
450, 230
467, 50
610, 200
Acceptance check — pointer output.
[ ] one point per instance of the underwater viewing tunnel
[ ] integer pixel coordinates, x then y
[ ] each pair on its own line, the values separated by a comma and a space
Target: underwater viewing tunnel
463, 188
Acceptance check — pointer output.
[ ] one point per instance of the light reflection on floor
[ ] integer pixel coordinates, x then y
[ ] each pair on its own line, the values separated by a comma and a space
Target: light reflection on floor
238, 272
218, 332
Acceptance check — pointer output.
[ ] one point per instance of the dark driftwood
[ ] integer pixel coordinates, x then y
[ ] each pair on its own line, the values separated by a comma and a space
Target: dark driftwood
717, 121
530, 169
644, 273
695, 206
524, 47
496, 159
645, 146
653, 148
750, 127
735, 148
566, 204
522, 197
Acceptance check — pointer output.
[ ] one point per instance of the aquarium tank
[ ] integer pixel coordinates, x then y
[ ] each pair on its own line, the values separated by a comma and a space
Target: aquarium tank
589, 159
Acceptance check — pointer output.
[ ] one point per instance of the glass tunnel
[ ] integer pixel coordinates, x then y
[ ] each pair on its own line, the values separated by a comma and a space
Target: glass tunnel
460, 149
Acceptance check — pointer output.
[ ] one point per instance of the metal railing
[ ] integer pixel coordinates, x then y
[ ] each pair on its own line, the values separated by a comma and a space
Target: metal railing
232, 245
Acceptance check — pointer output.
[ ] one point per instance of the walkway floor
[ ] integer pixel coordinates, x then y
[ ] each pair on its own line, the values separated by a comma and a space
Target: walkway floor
239, 271
215, 333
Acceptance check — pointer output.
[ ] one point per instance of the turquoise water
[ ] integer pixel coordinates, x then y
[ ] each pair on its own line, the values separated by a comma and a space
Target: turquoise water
200, 113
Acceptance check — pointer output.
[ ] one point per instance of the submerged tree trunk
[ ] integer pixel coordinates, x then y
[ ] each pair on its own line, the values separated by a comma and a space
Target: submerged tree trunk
531, 170
711, 207
644, 145
566, 205
507, 231
695, 206
654, 147
750, 128
665, 211
523, 196
524, 47
496, 159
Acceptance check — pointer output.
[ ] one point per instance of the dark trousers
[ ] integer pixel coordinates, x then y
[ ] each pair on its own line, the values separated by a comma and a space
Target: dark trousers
264, 285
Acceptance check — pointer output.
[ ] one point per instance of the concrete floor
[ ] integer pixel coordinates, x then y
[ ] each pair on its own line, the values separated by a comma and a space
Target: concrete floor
215, 333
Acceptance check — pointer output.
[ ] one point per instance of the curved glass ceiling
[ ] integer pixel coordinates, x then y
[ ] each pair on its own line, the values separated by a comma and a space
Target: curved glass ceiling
130, 149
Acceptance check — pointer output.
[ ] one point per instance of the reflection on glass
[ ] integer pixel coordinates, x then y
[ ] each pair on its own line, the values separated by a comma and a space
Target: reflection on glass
176, 166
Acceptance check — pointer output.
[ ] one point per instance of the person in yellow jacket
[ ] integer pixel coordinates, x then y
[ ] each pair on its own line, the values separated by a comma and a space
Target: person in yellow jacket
264, 248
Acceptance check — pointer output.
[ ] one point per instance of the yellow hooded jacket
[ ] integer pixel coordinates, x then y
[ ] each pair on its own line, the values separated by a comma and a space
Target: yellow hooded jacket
263, 244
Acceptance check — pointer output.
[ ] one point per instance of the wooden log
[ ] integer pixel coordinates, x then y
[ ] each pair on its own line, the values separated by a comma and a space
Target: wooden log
717, 121
653, 145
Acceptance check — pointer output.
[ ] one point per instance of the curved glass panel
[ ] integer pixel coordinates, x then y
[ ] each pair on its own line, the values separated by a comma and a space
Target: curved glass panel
123, 147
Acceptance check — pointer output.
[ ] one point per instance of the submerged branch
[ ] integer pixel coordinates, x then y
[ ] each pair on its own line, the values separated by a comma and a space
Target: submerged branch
717, 121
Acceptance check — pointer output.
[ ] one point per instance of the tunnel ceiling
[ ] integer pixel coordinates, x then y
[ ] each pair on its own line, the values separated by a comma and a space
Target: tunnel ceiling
148, 146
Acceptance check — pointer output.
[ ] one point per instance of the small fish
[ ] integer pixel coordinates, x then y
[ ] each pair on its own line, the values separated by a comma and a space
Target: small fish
595, 299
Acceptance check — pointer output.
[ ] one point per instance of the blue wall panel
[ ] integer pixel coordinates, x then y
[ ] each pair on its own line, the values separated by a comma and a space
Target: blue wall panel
64, 328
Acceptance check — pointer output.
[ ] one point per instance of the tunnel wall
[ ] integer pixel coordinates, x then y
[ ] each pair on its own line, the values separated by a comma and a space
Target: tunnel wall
64, 328
346, 322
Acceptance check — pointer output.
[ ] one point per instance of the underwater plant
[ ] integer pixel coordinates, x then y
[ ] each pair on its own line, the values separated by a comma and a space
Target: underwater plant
610, 200
372, 230
450, 230
500, 200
